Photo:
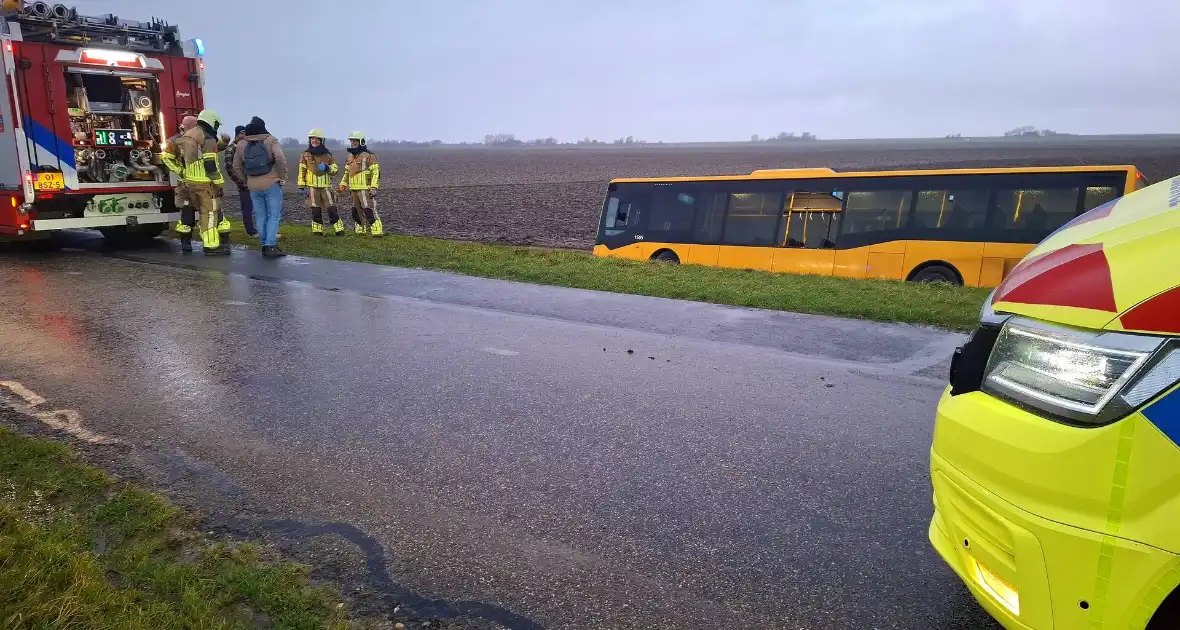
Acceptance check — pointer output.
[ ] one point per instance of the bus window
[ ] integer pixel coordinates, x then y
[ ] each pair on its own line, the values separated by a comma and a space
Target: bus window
818, 234
1097, 195
617, 214
624, 214
1035, 210
672, 213
710, 217
753, 219
810, 216
876, 211
951, 209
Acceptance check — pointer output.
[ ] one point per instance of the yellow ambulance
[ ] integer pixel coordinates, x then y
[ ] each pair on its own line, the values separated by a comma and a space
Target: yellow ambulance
1055, 461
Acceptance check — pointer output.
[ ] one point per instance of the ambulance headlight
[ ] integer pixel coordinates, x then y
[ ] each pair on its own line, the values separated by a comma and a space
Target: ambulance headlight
1081, 377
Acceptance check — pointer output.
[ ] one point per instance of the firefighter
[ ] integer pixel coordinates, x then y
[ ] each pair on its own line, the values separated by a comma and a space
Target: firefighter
317, 165
170, 159
188, 215
201, 165
361, 175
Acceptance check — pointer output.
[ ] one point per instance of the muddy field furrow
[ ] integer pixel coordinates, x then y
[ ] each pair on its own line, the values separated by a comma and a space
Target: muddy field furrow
551, 196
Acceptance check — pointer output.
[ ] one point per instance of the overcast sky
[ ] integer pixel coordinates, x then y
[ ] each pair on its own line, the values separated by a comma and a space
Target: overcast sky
678, 70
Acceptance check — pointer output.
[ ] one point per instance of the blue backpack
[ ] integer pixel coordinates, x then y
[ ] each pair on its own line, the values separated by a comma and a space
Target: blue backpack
257, 159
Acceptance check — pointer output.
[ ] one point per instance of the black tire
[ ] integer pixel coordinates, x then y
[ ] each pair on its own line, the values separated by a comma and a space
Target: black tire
667, 256
937, 273
138, 237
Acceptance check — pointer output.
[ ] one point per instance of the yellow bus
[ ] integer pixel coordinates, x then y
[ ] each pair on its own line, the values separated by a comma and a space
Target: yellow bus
961, 226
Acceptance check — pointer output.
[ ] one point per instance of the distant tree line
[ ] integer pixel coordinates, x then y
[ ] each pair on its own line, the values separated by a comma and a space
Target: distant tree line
785, 136
1028, 131
331, 143
509, 140
336, 143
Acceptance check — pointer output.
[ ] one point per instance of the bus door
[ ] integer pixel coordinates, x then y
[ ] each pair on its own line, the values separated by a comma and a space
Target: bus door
808, 243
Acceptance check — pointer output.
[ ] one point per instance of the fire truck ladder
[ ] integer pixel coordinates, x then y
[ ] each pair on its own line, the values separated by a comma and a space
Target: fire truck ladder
57, 23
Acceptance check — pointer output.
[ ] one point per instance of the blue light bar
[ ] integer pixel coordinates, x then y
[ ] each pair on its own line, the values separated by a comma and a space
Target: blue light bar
199, 44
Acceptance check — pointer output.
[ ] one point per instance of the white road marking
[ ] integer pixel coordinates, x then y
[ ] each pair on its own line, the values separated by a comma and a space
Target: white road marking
30, 397
502, 352
236, 303
68, 420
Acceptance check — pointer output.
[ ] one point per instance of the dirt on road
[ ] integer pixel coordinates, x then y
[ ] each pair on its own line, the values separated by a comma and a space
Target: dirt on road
551, 197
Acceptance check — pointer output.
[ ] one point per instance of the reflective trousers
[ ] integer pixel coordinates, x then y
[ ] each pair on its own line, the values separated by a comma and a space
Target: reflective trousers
205, 200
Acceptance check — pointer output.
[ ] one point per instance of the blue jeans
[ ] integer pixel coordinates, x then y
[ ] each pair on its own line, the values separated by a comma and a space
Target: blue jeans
268, 211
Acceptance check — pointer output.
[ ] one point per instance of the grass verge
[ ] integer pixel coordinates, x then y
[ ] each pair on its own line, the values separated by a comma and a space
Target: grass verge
79, 549
955, 308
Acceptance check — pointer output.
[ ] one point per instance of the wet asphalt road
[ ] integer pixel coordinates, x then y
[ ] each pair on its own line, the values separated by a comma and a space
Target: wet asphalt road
552, 458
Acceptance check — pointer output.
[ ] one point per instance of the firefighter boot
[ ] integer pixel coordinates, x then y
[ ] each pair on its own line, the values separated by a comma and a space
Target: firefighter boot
358, 220
213, 244
186, 237
223, 228
375, 228
334, 220
317, 222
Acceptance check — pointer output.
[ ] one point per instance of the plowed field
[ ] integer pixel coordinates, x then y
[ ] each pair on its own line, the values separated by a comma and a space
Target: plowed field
551, 196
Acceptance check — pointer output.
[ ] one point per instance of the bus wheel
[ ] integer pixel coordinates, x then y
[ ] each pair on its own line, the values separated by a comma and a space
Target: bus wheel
937, 273
668, 256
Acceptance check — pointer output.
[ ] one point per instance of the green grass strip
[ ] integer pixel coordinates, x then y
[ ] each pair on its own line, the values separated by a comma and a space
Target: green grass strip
79, 549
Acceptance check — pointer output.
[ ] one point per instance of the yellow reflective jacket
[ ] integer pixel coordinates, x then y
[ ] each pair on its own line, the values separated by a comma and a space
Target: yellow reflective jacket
310, 176
361, 171
196, 154
171, 157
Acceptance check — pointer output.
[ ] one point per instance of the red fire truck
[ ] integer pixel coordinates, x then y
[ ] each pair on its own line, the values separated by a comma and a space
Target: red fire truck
86, 106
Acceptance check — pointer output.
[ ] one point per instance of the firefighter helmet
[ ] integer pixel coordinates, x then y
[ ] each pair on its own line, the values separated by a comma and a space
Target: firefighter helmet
209, 117
316, 133
357, 135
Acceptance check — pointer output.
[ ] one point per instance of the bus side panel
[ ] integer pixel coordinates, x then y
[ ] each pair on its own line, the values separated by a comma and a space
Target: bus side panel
702, 255
998, 261
884, 266
45, 116
807, 261
885, 260
743, 257
629, 252
850, 263
964, 257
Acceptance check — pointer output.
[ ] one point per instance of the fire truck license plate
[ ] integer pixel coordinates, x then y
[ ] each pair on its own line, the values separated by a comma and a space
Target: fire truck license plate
49, 181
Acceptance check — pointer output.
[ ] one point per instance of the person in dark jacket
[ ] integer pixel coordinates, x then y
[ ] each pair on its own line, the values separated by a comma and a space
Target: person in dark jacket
243, 191
266, 185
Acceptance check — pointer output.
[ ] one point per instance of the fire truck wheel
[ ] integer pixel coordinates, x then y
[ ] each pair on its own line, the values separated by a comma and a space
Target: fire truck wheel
124, 237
